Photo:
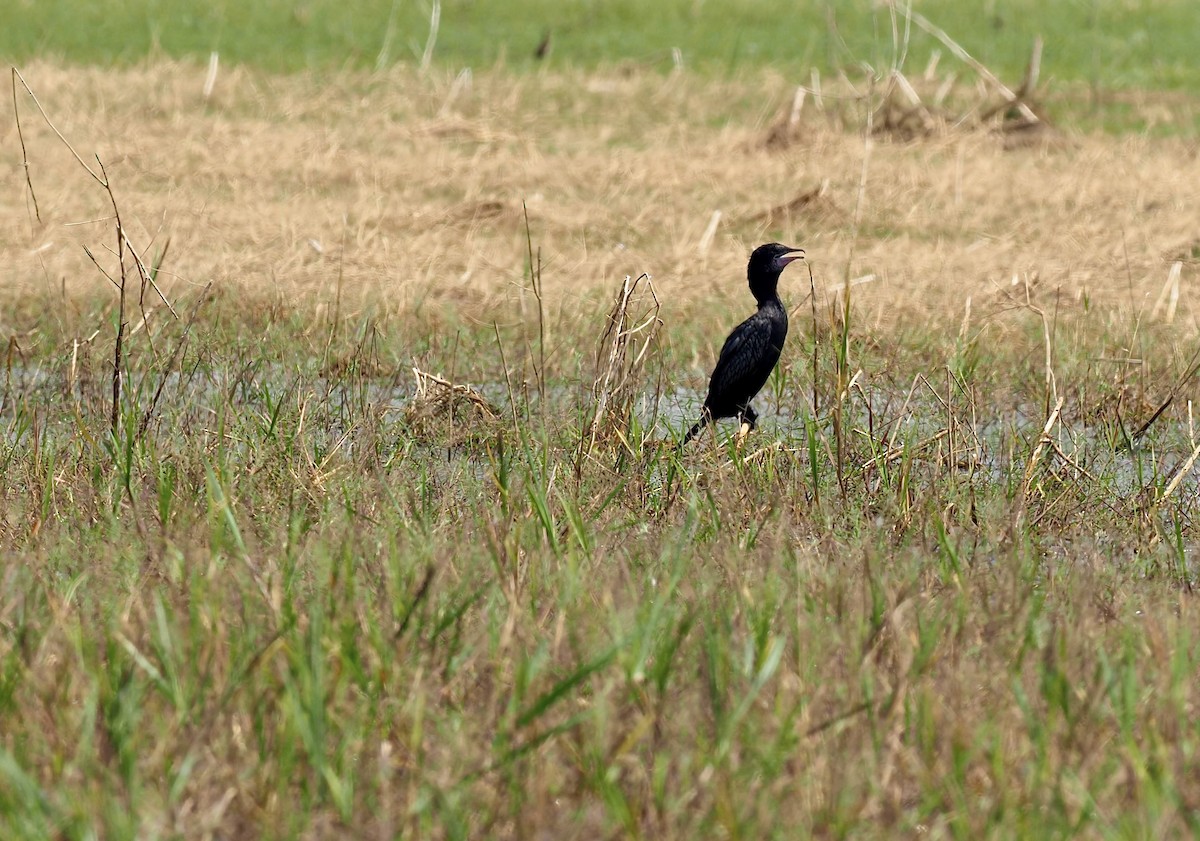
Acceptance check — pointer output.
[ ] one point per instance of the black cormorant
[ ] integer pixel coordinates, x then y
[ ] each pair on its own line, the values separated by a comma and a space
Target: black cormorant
752, 349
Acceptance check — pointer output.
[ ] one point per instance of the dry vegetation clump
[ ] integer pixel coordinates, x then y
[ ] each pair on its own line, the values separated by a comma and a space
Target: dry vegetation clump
896, 106
441, 409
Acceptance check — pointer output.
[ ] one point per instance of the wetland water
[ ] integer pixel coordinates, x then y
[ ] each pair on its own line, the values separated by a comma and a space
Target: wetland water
993, 443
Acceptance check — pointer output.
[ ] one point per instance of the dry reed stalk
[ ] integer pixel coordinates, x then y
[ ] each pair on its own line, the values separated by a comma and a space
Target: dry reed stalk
621, 357
435, 20
1169, 297
1044, 440
210, 78
1176, 479
710, 233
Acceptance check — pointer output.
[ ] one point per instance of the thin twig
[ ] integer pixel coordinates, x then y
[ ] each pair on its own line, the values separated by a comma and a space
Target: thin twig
99, 180
103, 270
147, 275
21, 136
512, 400
119, 344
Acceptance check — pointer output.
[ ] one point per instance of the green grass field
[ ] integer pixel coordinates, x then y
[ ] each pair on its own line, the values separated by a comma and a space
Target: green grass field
1144, 44
263, 576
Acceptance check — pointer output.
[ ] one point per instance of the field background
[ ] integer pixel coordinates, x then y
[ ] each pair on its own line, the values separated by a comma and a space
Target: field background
284, 586
1139, 44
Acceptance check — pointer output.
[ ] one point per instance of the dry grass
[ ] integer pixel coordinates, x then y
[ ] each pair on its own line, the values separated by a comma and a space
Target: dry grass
410, 190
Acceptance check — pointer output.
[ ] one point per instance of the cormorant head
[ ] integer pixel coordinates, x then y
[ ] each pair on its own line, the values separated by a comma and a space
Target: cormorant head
766, 263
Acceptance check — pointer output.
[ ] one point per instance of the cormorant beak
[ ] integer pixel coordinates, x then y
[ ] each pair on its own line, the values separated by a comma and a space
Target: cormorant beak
791, 256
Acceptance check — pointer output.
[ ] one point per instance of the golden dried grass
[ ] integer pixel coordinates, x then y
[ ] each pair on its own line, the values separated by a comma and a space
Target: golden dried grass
410, 189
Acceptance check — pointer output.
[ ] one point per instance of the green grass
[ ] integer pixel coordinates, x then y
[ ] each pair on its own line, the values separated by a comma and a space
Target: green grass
291, 609
1144, 45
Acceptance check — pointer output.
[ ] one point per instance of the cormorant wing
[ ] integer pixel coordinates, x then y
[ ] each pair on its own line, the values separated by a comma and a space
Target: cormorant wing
741, 354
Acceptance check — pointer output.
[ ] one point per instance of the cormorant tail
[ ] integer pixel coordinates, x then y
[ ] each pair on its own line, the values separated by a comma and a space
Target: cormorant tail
695, 430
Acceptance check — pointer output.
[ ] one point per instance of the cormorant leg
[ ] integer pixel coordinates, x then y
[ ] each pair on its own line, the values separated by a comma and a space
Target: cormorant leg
749, 419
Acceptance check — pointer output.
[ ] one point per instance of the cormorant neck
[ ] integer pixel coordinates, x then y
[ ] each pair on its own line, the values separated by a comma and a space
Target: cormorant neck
765, 288
767, 297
